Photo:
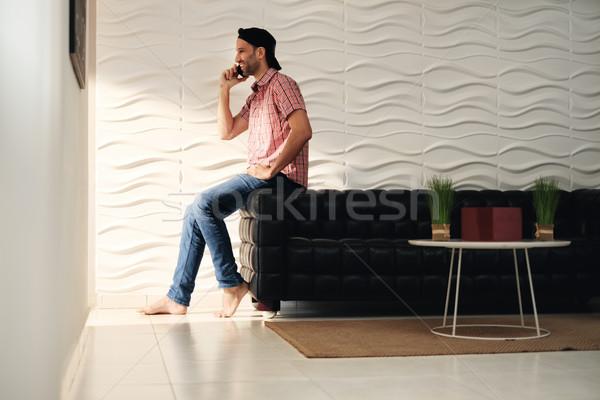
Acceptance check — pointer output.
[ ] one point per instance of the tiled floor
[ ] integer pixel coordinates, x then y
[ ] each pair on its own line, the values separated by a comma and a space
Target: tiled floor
129, 356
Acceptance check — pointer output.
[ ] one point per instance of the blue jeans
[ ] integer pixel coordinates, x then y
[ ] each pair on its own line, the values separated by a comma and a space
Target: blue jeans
203, 225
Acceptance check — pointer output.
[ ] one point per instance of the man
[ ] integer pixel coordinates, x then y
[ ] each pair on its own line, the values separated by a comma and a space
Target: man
279, 131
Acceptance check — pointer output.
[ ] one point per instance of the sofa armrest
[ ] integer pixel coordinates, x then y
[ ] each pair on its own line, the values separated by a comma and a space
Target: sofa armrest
263, 232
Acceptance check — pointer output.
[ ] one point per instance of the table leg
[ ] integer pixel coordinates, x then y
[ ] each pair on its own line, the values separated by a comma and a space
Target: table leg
537, 324
518, 286
457, 289
537, 328
449, 285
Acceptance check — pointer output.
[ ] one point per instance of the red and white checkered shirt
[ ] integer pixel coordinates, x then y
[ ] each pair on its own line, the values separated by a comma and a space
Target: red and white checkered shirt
274, 97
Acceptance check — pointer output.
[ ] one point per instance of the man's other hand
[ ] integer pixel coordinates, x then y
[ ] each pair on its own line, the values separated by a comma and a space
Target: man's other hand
260, 171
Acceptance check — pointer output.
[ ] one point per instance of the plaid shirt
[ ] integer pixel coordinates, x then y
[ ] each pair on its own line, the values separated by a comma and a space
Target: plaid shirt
274, 97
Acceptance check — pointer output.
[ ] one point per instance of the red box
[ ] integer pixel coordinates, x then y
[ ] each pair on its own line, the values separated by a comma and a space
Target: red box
491, 224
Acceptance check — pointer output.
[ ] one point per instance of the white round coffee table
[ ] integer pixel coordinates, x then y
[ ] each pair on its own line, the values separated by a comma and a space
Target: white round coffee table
514, 246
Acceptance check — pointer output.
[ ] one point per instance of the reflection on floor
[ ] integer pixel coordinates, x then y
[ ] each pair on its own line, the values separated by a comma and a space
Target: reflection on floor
130, 356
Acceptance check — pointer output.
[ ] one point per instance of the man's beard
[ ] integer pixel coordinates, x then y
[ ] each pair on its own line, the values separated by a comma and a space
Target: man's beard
251, 65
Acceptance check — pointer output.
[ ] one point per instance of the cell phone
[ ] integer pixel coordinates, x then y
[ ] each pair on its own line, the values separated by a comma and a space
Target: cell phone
239, 71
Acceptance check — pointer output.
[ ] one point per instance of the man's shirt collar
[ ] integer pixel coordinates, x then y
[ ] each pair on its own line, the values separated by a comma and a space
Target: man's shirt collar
264, 80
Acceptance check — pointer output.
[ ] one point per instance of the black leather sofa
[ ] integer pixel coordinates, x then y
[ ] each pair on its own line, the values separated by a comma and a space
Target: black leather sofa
330, 245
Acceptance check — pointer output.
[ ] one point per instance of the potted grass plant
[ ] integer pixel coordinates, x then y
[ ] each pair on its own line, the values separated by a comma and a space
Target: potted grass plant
545, 201
440, 200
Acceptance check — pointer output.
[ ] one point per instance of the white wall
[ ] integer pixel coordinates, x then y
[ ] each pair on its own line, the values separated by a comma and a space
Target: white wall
43, 207
492, 93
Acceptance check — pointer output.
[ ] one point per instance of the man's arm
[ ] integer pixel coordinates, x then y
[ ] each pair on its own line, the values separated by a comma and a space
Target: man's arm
229, 126
301, 132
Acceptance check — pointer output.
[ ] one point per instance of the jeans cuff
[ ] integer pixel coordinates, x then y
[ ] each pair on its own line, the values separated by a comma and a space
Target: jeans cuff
225, 285
172, 297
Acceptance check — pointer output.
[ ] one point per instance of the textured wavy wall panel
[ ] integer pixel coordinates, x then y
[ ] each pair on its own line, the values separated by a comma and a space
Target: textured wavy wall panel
493, 93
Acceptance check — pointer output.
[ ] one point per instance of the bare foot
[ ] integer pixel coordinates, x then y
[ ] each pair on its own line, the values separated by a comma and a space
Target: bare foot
163, 306
232, 298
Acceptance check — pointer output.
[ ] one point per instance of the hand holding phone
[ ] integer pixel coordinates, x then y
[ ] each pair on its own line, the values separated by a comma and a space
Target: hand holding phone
232, 76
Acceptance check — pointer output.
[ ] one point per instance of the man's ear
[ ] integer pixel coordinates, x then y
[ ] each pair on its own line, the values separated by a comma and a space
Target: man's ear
261, 52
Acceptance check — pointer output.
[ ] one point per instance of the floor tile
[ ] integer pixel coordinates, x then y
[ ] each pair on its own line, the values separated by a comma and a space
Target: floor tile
570, 359
121, 348
593, 374
233, 371
358, 367
403, 387
125, 321
265, 390
502, 362
129, 356
146, 391
553, 384
207, 351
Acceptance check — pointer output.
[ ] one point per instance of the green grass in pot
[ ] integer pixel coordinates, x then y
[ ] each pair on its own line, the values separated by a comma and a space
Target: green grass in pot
545, 200
440, 202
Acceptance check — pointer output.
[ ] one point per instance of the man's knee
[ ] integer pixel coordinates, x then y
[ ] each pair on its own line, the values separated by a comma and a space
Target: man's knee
189, 212
203, 205
218, 202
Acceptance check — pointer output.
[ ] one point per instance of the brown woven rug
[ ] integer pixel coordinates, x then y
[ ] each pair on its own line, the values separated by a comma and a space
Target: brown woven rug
412, 337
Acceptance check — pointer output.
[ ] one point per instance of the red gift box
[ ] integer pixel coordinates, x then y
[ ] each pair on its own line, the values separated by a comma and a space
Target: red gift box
491, 224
